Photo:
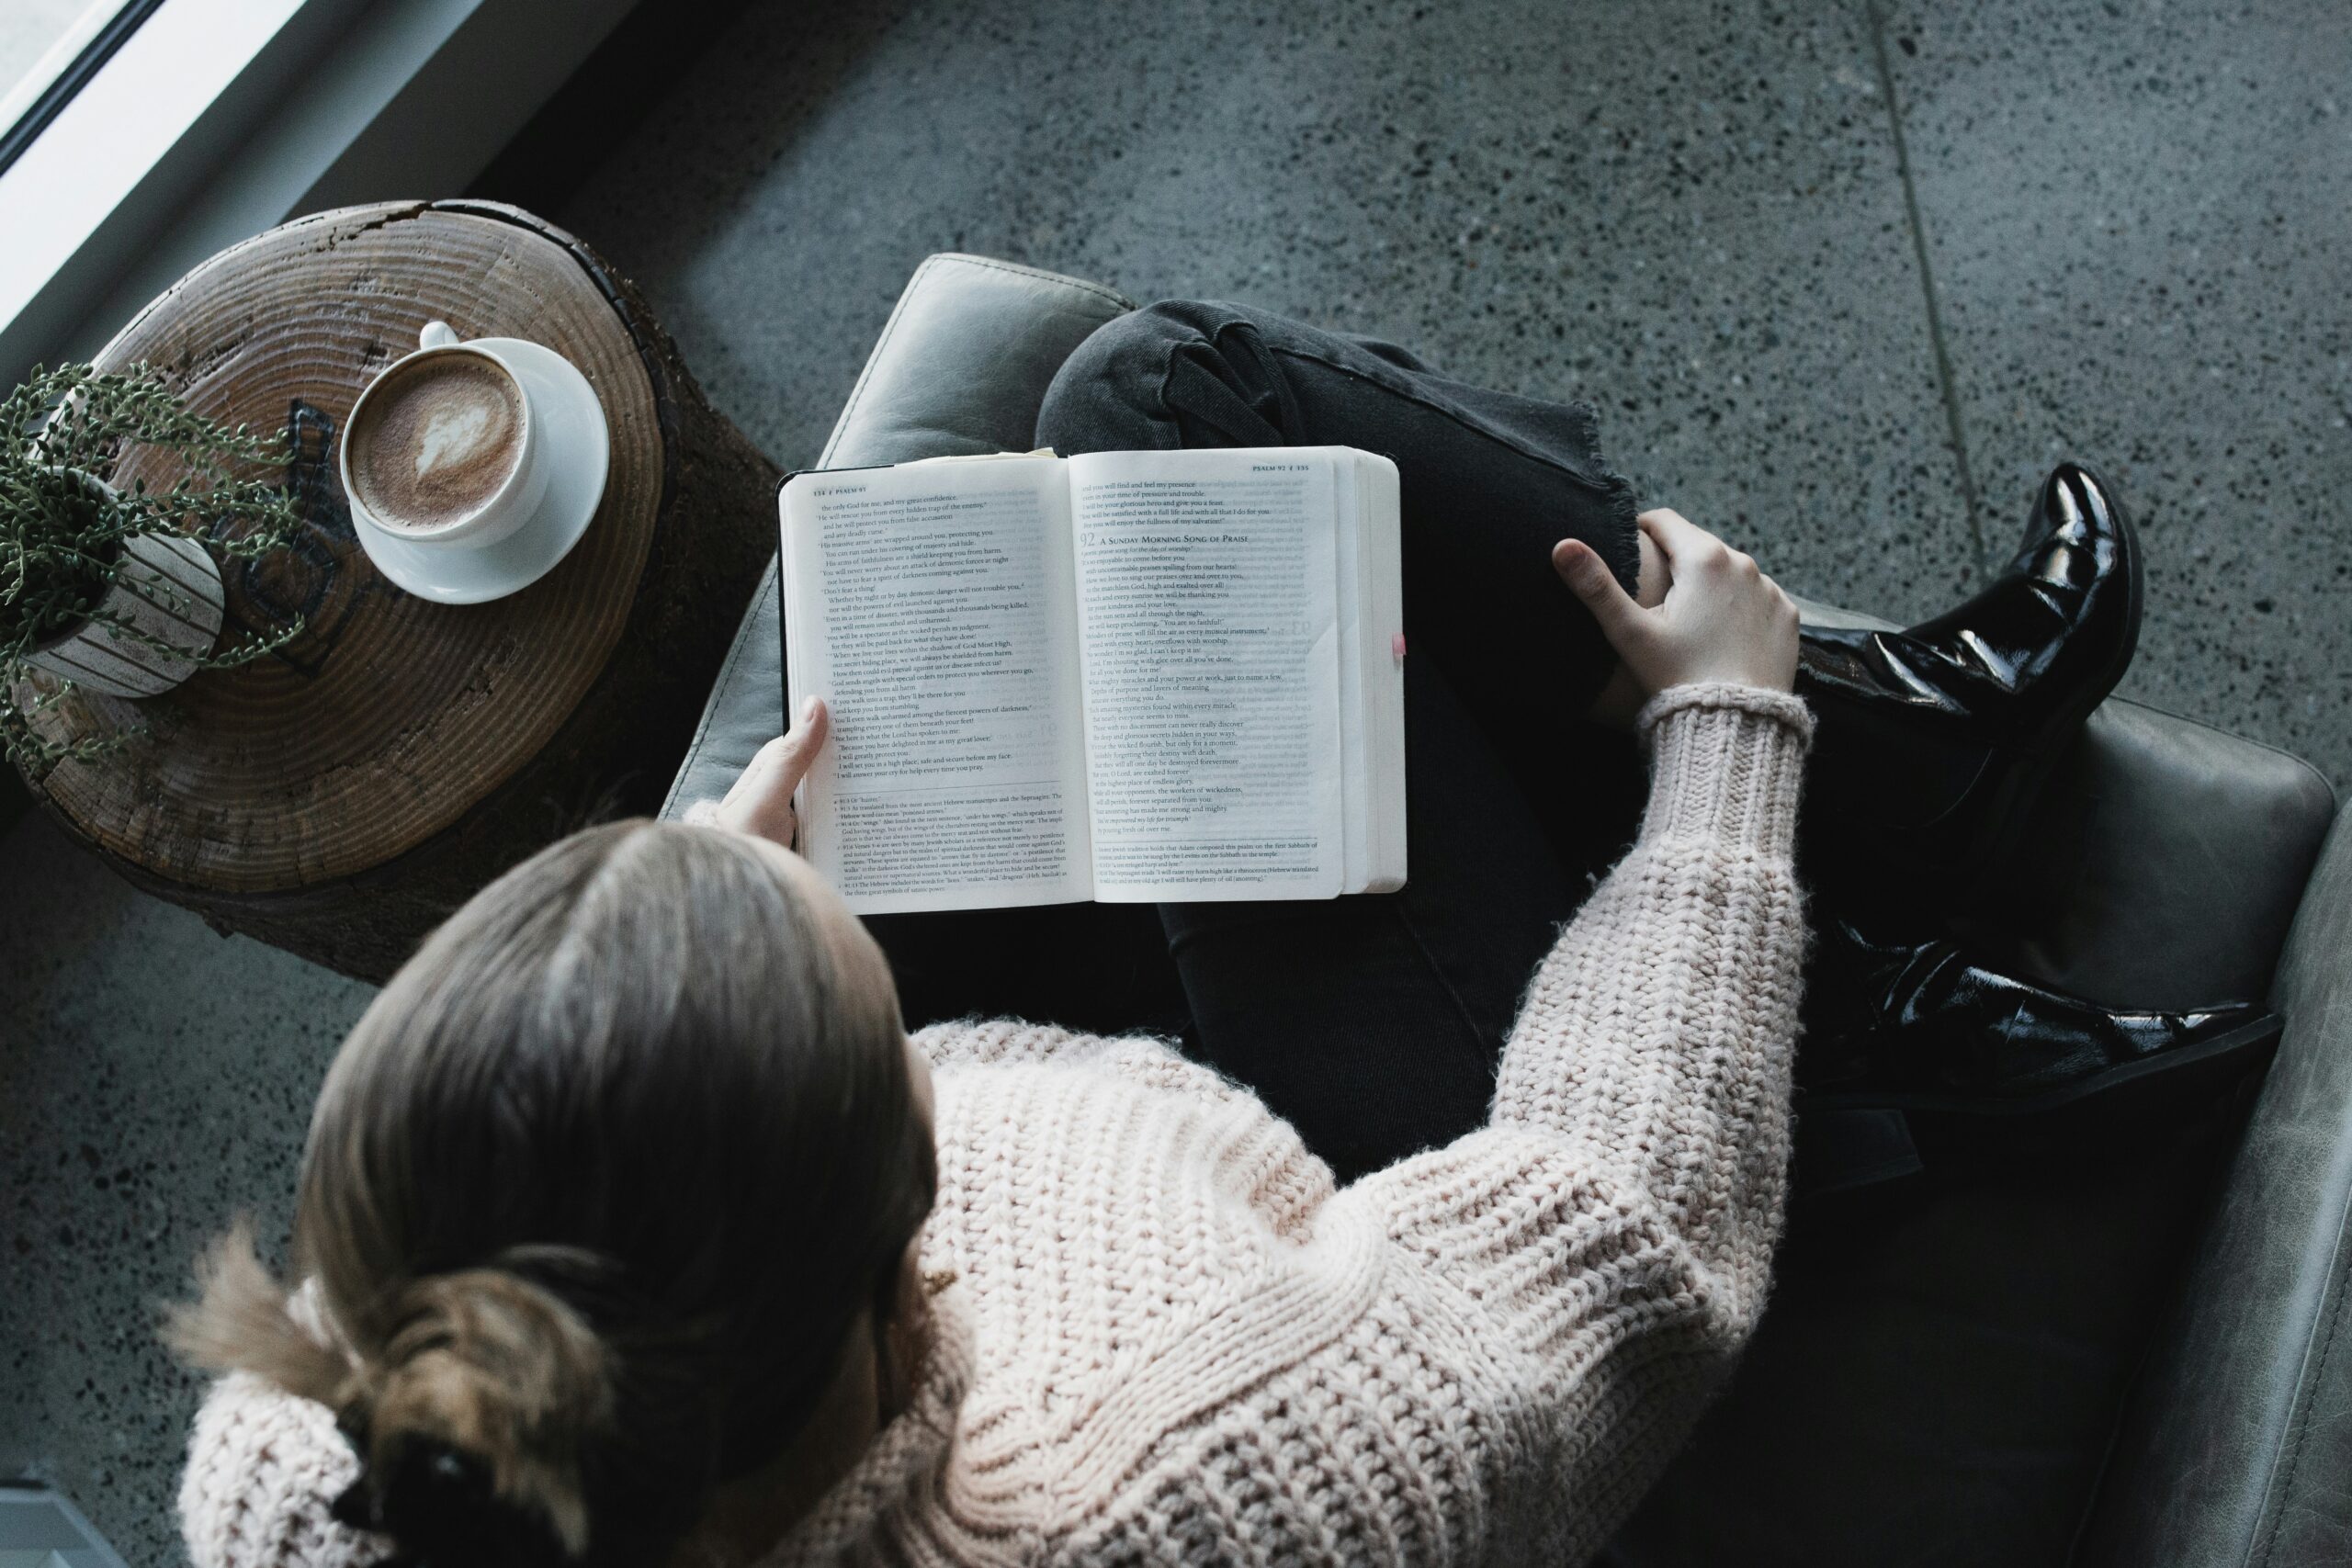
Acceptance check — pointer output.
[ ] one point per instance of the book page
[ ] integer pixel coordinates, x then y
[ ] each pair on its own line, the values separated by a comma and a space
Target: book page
1207, 627
929, 606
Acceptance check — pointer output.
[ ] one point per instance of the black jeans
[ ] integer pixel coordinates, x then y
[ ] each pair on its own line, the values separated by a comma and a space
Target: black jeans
1373, 1025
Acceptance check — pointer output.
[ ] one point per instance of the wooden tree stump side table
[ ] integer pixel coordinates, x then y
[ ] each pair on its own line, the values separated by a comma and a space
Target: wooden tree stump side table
339, 798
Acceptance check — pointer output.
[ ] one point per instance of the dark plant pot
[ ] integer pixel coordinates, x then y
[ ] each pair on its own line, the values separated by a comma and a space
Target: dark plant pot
166, 585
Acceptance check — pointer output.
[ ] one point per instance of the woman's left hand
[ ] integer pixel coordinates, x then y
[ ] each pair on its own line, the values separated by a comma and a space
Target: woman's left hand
761, 802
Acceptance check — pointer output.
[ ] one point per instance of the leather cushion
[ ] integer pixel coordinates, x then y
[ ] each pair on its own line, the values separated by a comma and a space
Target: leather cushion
2167, 860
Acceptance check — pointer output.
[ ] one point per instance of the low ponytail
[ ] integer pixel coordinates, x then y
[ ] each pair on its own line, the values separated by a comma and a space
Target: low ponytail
594, 1196
489, 1389
245, 1321
470, 1423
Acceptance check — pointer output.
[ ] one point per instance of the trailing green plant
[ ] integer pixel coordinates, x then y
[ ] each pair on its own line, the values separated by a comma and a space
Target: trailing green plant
62, 538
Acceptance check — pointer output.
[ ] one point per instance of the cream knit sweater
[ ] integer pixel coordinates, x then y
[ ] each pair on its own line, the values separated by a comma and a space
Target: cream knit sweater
1170, 1340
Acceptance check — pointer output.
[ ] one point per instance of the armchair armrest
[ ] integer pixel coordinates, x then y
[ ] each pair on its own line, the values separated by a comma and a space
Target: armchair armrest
2235, 1446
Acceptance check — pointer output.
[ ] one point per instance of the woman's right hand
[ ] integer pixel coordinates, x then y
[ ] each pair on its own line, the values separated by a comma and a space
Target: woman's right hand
760, 803
1722, 619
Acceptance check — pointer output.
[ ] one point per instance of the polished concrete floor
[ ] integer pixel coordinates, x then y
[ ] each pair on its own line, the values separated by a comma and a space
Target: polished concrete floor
1844, 278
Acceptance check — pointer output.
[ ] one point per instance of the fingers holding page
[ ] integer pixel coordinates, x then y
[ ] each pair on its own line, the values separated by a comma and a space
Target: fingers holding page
760, 801
795, 750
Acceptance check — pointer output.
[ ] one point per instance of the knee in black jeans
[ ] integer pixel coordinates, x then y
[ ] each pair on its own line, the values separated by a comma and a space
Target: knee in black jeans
1179, 374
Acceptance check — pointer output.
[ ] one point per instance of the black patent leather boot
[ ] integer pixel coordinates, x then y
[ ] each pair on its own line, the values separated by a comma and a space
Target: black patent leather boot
1920, 1026
1934, 739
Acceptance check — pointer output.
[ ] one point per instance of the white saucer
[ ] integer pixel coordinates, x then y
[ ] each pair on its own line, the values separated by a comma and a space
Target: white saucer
580, 451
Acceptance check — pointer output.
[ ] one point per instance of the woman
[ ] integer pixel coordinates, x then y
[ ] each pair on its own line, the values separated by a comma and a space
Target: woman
635, 1230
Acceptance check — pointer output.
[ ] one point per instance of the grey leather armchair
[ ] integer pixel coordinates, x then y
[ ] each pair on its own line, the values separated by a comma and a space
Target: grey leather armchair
2111, 1349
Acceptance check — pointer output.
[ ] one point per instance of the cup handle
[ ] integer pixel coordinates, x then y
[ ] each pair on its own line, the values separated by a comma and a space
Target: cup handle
436, 334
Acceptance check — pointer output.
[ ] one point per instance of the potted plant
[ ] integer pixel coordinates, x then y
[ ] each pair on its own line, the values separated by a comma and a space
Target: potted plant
116, 590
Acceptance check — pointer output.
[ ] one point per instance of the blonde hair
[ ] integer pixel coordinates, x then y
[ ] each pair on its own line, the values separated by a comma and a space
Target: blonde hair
592, 1197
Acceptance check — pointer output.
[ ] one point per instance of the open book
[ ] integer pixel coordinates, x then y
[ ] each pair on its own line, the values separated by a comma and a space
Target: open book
1130, 676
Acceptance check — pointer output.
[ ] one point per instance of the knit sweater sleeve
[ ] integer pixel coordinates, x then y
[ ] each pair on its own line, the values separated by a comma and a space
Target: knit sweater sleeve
1610, 1230
264, 1467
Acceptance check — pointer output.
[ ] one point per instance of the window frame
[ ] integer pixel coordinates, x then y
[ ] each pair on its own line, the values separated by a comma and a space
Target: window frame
85, 62
210, 121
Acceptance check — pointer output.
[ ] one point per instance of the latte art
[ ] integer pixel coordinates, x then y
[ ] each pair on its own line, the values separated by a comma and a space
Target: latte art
435, 441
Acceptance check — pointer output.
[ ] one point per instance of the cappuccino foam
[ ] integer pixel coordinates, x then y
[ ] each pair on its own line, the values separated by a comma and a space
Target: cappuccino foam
436, 442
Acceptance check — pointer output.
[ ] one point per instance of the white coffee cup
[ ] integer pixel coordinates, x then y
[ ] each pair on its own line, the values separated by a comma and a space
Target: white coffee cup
496, 514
